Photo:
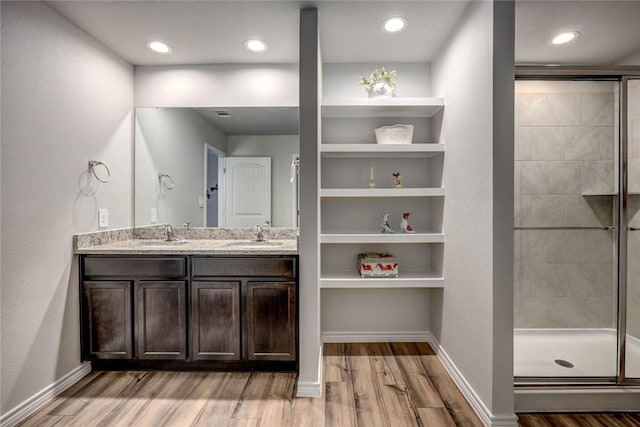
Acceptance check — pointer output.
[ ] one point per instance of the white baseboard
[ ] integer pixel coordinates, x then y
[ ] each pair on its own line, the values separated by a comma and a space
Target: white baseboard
485, 415
44, 396
375, 336
312, 388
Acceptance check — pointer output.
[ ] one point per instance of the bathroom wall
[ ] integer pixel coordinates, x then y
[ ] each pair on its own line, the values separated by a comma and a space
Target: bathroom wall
471, 317
564, 177
66, 99
280, 149
217, 85
171, 141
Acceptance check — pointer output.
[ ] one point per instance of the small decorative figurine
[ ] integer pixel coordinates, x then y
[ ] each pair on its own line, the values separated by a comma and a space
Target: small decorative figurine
372, 181
397, 180
404, 224
384, 224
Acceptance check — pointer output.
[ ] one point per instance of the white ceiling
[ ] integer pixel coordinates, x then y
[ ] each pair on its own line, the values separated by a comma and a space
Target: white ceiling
213, 31
609, 31
203, 32
254, 120
206, 32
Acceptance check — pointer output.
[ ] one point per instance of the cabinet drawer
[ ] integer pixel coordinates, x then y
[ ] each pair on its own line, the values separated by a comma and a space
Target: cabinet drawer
135, 267
244, 267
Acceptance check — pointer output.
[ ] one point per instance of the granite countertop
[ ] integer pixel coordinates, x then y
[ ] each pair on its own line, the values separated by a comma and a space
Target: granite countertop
150, 241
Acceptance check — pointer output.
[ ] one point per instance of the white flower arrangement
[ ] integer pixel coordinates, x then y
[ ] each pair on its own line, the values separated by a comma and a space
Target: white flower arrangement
379, 76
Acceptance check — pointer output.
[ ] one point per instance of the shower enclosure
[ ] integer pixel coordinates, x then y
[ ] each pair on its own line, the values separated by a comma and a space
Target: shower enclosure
577, 229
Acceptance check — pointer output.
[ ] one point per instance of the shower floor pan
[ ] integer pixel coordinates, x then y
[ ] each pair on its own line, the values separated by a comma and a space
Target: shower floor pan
591, 352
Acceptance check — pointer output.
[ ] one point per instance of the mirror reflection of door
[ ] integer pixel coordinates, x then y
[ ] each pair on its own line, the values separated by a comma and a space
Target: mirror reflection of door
247, 191
214, 160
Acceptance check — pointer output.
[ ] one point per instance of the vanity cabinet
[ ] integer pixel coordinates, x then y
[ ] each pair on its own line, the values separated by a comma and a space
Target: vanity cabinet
252, 314
215, 320
271, 320
134, 307
190, 312
160, 327
107, 319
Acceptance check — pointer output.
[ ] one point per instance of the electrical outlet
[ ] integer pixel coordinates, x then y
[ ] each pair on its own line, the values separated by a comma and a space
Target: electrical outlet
201, 201
103, 218
154, 215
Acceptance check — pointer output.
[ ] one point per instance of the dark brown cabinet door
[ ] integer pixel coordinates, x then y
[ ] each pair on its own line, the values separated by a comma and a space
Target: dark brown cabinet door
160, 320
107, 311
215, 320
271, 320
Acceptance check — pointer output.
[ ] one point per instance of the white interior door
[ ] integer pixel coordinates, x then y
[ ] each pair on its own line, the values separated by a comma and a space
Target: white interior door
248, 191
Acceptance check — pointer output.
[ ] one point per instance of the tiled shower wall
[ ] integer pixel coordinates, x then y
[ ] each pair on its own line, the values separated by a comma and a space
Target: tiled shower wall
564, 177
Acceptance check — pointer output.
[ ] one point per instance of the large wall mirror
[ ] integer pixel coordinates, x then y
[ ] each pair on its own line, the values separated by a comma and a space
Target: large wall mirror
216, 167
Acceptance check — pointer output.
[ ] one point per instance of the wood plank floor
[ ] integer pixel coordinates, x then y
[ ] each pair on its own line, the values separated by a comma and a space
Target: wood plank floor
366, 385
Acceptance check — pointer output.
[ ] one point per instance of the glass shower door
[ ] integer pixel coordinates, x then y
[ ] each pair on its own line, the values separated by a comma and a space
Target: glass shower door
565, 315
632, 232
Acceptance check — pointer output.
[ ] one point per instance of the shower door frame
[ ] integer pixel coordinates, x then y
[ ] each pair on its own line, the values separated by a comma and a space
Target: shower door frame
621, 74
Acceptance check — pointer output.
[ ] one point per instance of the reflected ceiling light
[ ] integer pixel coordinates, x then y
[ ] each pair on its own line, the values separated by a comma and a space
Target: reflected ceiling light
394, 25
255, 45
565, 37
159, 47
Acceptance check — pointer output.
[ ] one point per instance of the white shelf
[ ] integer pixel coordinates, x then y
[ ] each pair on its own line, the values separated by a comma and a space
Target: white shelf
353, 280
381, 150
337, 237
381, 192
381, 107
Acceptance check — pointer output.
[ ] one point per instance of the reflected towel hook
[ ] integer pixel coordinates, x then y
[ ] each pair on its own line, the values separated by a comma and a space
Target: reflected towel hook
295, 169
163, 177
92, 169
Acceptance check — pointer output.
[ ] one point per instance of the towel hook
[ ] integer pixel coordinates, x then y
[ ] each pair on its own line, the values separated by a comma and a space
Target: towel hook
163, 177
92, 169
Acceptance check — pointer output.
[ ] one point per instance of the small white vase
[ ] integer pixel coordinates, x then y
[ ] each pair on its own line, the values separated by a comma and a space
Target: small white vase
380, 90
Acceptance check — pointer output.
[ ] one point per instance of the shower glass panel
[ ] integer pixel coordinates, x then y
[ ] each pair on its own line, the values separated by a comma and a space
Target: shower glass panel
566, 140
632, 342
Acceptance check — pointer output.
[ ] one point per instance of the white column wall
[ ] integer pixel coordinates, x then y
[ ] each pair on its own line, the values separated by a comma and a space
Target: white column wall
66, 99
472, 318
310, 376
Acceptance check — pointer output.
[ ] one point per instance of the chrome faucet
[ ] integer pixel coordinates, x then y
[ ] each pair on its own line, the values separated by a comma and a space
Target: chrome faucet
259, 233
168, 233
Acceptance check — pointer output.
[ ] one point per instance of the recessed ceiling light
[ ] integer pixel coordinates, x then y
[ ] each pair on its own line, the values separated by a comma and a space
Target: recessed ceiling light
159, 47
395, 24
255, 45
565, 37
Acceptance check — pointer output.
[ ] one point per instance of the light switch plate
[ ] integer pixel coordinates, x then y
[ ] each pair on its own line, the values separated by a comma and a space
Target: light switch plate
103, 218
201, 201
154, 215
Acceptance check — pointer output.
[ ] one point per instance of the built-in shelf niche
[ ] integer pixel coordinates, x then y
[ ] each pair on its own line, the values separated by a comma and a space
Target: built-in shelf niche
350, 209
420, 266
